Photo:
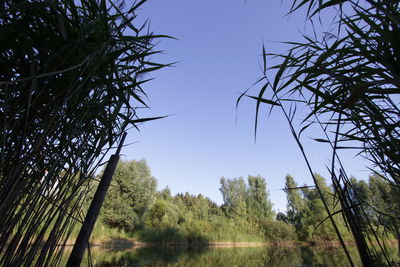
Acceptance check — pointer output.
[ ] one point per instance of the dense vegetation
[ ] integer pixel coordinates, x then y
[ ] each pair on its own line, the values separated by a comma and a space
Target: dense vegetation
344, 79
134, 206
70, 85
71, 77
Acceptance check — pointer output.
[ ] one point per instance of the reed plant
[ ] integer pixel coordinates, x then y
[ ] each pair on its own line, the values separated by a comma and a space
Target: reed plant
71, 77
348, 82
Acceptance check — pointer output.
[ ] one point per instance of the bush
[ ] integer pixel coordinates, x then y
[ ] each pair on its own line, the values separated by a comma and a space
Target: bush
278, 231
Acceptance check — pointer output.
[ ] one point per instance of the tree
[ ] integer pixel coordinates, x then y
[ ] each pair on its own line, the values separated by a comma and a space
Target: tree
306, 211
131, 193
258, 203
234, 194
165, 194
318, 228
385, 201
281, 216
295, 202
249, 200
360, 198
202, 208
163, 215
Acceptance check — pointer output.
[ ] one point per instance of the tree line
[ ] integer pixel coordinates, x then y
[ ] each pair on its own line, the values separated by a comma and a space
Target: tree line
134, 206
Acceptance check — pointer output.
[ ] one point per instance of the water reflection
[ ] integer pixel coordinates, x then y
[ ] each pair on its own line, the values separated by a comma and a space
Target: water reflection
252, 256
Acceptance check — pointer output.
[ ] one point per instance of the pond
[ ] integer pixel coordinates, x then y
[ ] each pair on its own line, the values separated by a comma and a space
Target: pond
221, 256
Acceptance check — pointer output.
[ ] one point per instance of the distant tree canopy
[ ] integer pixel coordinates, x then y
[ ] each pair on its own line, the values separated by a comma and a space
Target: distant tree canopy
134, 205
375, 201
131, 193
234, 194
305, 210
295, 202
251, 199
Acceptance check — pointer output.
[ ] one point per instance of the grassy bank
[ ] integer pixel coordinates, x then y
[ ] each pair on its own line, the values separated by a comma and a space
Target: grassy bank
170, 237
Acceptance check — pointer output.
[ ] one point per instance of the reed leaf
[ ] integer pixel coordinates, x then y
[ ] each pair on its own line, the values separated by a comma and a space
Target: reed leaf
350, 83
71, 78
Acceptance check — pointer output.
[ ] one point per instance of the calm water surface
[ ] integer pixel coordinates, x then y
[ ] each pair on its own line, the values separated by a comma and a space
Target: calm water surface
250, 256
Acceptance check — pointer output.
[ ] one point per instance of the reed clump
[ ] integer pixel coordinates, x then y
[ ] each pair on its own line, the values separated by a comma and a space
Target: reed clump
71, 79
345, 80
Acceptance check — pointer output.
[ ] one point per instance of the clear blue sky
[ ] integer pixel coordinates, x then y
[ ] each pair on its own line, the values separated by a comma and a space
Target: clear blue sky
218, 49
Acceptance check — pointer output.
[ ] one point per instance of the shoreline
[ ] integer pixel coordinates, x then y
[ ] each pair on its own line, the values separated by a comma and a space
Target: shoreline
130, 243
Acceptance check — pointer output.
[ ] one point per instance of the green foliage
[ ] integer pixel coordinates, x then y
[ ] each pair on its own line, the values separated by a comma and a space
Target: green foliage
296, 206
278, 231
131, 193
374, 202
281, 216
346, 79
163, 237
199, 206
258, 203
163, 214
71, 80
234, 194
134, 206
191, 220
306, 211
246, 200
165, 194
383, 202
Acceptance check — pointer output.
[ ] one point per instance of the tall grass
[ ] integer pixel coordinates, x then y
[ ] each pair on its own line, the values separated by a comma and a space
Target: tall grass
349, 81
71, 77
